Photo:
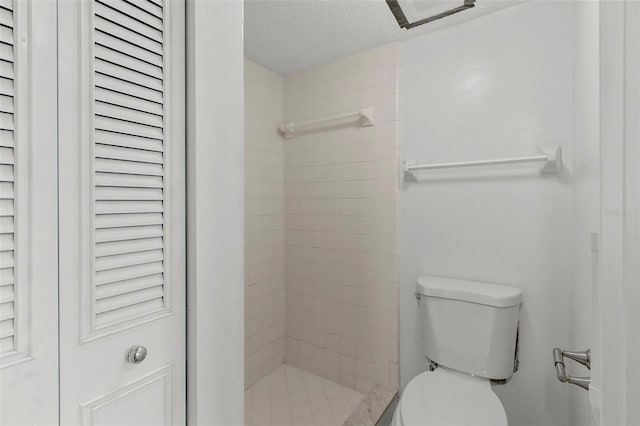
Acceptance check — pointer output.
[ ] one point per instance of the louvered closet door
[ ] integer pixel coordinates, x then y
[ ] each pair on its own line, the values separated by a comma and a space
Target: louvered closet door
122, 206
28, 214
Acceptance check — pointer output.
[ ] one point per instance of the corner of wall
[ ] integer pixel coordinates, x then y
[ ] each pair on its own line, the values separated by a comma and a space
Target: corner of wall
215, 203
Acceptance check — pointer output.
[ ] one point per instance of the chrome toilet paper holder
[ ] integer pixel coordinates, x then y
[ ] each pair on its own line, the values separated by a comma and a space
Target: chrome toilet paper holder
583, 357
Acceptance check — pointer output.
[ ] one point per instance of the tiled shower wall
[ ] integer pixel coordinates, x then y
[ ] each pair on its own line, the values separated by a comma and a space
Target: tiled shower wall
341, 223
264, 222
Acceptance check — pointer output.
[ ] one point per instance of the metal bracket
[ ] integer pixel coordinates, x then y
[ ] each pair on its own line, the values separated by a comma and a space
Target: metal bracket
288, 130
553, 164
366, 116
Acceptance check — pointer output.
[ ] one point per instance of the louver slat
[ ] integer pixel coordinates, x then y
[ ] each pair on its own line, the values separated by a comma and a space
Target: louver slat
156, 2
130, 233
6, 69
8, 286
143, 41
6, 242
130, 167
6, 104
6, 311
116, 85
128, 273
128, 24
6, 259
117, 44
151, 8
128, 154
128, 150
107, 193
6, 294
6, 138
6, 172
117, 316
131, 246
6, 328
6, 225
105, 263
127, 220
134, 206
6, 86
6, 121
6, 275
126, 101
6, 190
136, 13
114, 289
125, 127
6, 35
128, 141
123, 113
131, 181
6, 52
6, 17
130, 89
128, 299
135, 75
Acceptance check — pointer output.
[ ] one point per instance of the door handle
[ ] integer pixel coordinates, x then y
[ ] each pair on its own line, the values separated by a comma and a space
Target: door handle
137, 354
583, 357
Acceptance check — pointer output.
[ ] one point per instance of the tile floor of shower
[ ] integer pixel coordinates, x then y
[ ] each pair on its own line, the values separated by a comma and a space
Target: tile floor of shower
289, 396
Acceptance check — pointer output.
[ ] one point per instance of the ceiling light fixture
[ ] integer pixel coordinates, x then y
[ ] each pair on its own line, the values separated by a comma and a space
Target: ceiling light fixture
410, 16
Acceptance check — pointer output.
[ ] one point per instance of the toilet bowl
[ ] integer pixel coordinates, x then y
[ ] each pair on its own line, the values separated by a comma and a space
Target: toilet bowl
447, 397
470, 330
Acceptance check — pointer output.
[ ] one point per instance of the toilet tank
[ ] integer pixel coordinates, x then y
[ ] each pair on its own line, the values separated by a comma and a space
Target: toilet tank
469, 326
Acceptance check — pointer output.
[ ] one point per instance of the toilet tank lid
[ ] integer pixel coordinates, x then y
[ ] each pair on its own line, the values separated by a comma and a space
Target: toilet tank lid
499, 295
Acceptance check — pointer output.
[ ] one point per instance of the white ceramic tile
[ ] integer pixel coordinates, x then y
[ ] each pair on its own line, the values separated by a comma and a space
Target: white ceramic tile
264, 215
307, 399
341, 222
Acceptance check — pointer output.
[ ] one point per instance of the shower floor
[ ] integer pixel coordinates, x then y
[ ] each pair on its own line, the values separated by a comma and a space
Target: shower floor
289, 396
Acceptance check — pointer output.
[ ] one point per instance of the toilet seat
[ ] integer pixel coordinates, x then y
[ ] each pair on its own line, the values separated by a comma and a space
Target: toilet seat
446, 397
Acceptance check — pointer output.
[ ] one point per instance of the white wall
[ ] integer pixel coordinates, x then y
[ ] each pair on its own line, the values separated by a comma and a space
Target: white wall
264, 223
586, 195
215, 212
341, 195
497, 86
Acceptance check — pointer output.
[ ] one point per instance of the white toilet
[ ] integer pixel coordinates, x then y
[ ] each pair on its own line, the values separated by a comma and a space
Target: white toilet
469, 328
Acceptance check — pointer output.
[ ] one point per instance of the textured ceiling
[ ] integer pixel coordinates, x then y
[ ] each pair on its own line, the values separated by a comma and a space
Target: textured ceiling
290, 35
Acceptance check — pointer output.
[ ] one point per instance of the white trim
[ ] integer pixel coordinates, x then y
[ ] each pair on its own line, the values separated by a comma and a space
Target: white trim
215, 212
34, 369
615, 368
632, 209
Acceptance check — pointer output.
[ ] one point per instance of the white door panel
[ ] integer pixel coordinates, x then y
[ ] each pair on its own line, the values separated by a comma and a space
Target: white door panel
28, 214
122, 257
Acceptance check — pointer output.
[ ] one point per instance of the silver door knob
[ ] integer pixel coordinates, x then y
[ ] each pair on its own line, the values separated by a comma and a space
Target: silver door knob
137, 354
